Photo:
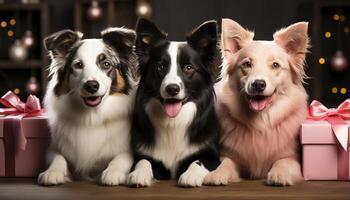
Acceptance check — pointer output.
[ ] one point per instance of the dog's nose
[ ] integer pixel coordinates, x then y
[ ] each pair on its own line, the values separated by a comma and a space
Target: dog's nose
91, 86
172, 89
259, 85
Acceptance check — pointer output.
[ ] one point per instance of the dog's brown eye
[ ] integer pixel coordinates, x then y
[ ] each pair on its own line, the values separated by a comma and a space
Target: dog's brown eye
275, 65
78, 65
188, 69
161, 68
247, 64
106, 65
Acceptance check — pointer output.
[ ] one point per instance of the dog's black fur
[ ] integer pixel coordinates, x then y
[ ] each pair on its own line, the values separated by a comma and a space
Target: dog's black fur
201, 52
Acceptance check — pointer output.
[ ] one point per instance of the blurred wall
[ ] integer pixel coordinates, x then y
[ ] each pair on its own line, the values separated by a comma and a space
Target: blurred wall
178, 17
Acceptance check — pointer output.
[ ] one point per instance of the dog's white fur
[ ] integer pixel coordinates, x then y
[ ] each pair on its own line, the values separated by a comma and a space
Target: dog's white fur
171, 145
89, 139
261, 144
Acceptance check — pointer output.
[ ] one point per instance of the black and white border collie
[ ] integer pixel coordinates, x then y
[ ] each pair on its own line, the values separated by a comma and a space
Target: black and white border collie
89, 101
175, 128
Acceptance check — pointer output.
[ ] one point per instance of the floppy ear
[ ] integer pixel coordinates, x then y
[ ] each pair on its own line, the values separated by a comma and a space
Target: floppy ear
204, 39
60, 42
148, 33
295, 41
234, 36
121, 39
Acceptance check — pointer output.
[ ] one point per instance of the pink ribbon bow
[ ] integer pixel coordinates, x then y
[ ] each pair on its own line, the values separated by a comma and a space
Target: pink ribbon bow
335, 116
17, 110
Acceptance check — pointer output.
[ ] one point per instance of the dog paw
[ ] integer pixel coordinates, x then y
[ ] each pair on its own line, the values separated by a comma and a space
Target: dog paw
215, 178
112, 177
52, 177
280, 177
191, 179
140, 178
220, 178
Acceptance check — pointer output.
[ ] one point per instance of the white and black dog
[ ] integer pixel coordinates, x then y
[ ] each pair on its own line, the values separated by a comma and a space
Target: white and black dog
89, 102
175, 128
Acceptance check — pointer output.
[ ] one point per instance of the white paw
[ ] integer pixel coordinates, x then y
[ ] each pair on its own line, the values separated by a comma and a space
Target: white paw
216, 178
279, 177
112, 177
191, 179
140, 178
52, 177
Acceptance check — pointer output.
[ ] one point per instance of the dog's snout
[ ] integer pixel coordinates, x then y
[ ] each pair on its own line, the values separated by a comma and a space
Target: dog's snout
259, 85
172, 89
91, 86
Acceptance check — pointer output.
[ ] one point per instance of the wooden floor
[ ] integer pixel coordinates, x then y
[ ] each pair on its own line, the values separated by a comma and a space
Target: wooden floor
27, 189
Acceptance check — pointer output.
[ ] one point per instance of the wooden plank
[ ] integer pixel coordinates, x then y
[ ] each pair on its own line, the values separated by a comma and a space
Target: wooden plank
14, 188
32, 64
19, 7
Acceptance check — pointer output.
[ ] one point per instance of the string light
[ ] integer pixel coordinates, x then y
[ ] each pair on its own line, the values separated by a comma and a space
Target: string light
321, 61
10, 33
334, 90
343, 90
346, 30
12, 22
336, 17
17, 91
342, 18
3, 24
327, 34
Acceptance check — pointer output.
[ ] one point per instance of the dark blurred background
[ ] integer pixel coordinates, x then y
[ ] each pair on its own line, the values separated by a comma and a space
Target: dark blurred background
23, 64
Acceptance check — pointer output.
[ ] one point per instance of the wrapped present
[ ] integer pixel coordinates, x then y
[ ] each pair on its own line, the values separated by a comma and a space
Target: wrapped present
325, 142
24, 137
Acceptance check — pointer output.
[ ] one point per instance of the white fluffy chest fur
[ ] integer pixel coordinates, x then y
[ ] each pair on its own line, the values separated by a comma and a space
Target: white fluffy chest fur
171, 134
89, 138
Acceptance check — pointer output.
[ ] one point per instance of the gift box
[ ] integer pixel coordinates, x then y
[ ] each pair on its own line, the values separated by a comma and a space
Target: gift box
24, 137
325, 143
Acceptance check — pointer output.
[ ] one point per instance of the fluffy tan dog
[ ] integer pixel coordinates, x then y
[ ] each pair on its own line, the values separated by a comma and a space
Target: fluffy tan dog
261, 104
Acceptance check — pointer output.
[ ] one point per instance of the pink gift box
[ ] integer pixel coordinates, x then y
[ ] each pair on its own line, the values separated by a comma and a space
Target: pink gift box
16, 162
323, 157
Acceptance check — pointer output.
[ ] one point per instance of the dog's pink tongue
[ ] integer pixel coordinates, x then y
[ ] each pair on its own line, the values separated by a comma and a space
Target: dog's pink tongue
172, 109
258, 105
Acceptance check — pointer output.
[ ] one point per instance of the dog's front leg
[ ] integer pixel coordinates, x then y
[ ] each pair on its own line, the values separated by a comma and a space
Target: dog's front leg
117, 170
57, 173
224, 174
142, 176
194, 175
285, 172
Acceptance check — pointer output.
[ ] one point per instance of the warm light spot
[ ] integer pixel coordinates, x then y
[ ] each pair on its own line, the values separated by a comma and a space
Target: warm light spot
321, 61
10, 33
17, 91
336, 17
12, 22
327, 34
334, 90
3, 24
343, 90
342, 18
346, 29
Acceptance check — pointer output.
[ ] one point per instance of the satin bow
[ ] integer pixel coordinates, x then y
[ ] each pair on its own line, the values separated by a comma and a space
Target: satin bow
16, 109
335, 116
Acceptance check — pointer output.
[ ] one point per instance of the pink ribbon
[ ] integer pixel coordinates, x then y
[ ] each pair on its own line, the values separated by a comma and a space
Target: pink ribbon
335, 116
17, 110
